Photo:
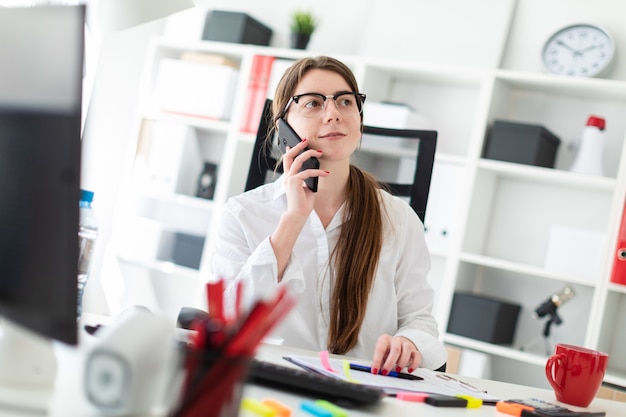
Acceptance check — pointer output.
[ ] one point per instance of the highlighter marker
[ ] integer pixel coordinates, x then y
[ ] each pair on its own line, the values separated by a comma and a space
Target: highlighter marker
472, 402
513, 409
336, 411
281, 409
417, 397
314, 409
257, 408
445, 401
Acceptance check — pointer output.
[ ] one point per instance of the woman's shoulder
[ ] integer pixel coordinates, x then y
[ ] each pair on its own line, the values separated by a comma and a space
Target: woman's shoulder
398, 208
394, 201
263, 195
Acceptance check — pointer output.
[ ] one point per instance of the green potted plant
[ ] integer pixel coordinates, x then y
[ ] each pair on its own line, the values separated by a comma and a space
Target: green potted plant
302, 25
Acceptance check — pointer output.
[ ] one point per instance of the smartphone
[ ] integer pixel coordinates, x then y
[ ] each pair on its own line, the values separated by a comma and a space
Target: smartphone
288, 137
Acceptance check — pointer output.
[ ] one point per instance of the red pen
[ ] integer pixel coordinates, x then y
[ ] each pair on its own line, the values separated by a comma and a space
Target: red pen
261, 319
238, 299
241, 341
215, 294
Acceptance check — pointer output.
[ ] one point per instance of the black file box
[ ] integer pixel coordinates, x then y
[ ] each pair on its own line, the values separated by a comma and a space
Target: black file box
521, 143
236, 27
483, 318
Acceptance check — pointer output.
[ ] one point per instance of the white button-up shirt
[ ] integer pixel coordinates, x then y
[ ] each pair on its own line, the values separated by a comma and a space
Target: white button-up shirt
399, 304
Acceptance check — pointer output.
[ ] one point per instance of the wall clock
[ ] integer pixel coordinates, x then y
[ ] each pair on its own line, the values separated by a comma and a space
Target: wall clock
582, 50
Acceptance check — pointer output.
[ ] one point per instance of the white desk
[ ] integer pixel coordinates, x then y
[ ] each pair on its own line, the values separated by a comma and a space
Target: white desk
69, 399
392, 407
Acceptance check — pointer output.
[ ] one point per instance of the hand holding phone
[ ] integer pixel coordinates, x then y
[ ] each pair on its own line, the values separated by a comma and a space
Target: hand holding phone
288, 137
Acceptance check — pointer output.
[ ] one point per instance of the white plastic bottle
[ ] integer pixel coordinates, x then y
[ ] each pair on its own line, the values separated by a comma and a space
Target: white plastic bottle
87, 234
589, 157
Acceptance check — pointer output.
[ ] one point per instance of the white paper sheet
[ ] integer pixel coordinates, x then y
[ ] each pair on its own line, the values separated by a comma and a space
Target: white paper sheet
433, 382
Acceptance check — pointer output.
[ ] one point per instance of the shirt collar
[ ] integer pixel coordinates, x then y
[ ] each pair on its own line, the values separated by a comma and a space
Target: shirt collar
279, 187
279, 191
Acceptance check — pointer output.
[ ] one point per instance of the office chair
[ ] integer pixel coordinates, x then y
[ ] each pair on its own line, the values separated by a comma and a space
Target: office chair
264, 159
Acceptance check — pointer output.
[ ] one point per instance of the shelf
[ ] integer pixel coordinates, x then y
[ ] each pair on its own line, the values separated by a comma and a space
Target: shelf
615, 378
588, 88
498, 350
161, 267
389, 151
443, 158
611, 377
191, 121
181, 200
619, 288
547, 176
520, 268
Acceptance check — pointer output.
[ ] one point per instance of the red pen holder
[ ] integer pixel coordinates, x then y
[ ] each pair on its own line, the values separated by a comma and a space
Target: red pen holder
213, 386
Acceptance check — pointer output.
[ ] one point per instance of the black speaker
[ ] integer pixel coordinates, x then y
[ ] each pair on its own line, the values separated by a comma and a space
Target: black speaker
483, 318
522, 143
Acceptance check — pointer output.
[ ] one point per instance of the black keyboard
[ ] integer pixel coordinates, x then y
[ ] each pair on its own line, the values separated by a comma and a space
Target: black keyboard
310, 384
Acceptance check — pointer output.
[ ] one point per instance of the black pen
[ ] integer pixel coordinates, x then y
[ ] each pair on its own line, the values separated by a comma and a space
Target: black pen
401, 375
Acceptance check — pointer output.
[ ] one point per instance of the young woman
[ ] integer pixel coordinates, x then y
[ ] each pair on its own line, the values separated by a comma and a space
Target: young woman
355, 254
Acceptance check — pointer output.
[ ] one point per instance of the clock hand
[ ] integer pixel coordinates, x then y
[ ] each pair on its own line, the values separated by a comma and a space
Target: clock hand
561, 43
589, 48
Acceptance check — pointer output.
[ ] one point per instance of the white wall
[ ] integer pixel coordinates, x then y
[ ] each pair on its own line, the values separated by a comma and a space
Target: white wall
471, 33
536, 20
431, 31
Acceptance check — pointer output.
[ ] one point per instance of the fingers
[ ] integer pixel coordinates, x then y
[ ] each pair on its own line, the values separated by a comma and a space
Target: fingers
295, 164
395, 354
292, 153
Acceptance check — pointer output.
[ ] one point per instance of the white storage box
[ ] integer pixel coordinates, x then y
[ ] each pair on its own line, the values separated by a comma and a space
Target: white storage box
393, 116
169, 160
195, 88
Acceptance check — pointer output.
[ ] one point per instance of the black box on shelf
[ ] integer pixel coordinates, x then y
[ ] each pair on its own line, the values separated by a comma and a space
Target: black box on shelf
188, 250
236, 27
181, 248
483, 318
521, 143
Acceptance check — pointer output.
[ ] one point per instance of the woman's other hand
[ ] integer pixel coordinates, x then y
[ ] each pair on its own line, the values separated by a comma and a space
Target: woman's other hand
395, 353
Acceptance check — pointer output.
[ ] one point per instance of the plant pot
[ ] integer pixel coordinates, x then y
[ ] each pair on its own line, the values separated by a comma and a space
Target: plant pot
300, 40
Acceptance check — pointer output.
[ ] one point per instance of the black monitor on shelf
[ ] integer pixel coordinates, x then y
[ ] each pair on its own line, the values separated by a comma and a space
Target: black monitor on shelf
41, 55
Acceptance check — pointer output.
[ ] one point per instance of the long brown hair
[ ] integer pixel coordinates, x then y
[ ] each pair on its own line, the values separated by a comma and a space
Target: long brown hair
355, 258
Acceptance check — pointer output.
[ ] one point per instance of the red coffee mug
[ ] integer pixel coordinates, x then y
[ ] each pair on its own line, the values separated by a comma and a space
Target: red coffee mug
576, 373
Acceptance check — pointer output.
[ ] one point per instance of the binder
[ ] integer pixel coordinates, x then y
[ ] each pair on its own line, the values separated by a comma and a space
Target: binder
257, 92
618, 274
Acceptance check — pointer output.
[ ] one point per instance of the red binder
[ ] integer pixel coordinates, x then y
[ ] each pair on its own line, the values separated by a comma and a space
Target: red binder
618, 274
257, 92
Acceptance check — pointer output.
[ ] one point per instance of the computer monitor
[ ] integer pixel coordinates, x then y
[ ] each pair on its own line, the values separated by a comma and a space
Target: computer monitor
41, 65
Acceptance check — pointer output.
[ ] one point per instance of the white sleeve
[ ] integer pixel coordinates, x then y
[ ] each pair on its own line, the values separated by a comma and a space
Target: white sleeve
234, 260
415, 295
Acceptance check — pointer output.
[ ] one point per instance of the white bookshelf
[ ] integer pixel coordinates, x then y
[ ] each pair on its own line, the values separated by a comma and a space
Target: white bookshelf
498, 214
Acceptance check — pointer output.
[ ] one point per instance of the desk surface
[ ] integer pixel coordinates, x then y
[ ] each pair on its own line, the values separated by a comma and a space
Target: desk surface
392, 407
69, 399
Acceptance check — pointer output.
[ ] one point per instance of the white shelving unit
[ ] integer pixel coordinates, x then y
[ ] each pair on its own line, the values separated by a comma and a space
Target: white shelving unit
496, 215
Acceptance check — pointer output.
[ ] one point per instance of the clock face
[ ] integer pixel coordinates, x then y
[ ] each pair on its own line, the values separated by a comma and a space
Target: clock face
579, 50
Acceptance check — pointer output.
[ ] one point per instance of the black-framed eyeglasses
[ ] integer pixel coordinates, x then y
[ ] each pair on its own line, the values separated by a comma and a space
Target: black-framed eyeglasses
312, 105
